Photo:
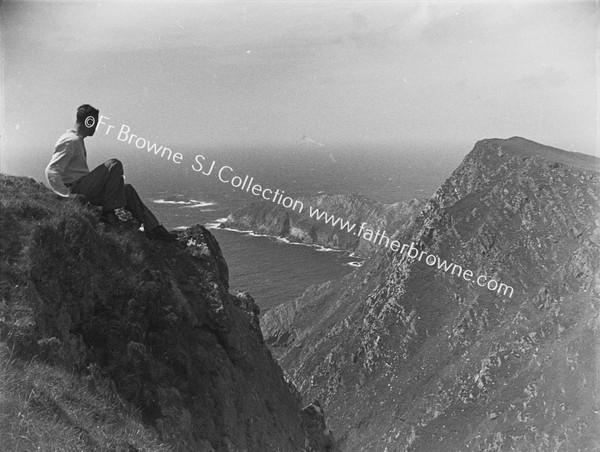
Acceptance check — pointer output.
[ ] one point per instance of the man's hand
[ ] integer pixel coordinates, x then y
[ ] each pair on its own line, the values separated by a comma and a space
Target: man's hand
81, 199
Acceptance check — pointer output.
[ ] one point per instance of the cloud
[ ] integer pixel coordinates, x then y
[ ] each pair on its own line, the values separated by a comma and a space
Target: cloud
360, 21
425, 16
550, 77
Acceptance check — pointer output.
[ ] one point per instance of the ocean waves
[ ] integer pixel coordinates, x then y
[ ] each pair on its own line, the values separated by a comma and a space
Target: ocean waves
189, 204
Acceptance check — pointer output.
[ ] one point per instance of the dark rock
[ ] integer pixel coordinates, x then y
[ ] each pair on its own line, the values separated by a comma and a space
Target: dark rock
318, 436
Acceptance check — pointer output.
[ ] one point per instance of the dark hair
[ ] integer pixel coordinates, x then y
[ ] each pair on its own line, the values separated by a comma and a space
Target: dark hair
86, 110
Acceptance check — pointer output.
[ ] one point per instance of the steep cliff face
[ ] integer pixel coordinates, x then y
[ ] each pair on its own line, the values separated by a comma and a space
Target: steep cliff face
267, 218
154, 319
406, 356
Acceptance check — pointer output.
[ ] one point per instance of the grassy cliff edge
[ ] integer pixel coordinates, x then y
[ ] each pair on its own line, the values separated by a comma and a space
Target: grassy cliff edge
109, 341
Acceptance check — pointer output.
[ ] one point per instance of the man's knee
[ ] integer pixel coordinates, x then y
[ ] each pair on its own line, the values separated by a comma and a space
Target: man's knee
114, 165
130, 192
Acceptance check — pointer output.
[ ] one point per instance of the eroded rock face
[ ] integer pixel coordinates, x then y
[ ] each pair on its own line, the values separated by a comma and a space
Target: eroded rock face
405, 356
155, 318
267, 218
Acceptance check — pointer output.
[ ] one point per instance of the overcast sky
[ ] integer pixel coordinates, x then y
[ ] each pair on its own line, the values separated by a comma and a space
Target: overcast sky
247, 74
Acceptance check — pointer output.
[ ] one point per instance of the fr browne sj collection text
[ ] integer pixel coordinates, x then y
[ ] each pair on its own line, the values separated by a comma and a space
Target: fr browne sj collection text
227, 175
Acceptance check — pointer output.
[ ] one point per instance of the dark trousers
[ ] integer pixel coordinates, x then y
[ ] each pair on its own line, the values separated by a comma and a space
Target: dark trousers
105, 186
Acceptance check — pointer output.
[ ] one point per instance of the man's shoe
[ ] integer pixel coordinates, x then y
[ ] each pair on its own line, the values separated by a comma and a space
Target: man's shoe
110, 218
160, 233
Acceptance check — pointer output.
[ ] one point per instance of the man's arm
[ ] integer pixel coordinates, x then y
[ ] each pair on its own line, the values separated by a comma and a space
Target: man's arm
55, 169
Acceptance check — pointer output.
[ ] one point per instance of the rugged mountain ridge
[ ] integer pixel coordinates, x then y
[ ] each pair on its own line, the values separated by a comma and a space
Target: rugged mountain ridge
263, 217
406, 357
154, 321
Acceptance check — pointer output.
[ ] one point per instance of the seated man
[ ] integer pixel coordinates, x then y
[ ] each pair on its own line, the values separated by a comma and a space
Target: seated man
69, 177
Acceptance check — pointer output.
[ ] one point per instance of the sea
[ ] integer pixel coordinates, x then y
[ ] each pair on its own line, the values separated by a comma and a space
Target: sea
270, 269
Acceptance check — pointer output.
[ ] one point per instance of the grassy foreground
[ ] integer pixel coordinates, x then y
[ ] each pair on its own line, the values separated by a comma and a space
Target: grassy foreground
46, 403
45, 408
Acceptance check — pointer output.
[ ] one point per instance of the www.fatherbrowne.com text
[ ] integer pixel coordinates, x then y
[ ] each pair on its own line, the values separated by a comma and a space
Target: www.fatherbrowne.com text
380, 237
227, 175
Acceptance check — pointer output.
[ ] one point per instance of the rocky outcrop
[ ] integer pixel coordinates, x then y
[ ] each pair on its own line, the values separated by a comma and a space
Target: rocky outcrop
406, 356
155, 319
263, 217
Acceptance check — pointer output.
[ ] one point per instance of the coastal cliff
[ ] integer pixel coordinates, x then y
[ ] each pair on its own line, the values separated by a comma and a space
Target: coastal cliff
262, 217
109, 341
407, 357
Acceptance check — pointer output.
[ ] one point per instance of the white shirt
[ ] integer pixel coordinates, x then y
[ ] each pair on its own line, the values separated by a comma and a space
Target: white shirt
68, 163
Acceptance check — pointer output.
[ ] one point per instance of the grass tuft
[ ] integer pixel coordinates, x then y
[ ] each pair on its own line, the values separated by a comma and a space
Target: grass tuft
46, 408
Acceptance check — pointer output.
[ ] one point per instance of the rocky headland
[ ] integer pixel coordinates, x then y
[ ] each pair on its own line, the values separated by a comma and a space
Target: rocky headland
406, 357
267, 218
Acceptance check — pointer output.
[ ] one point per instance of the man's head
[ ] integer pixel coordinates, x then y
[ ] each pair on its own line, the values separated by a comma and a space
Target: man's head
87, 120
